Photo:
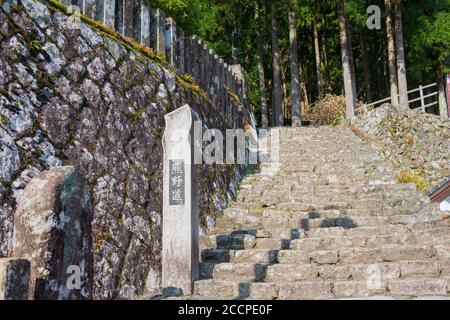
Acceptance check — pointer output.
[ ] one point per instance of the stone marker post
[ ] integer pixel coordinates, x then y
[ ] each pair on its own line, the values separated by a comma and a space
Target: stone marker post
180, 255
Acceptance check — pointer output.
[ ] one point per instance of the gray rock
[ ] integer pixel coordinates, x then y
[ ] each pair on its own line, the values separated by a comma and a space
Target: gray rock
56, 61
9, 156
52, 230
96, 69
38, 11
14, 279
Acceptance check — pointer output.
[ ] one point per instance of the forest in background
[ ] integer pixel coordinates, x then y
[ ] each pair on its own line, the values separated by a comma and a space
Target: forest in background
292, 50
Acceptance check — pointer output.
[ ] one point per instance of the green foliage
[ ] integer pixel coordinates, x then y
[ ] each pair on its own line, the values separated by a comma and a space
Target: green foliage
337, 121
417, 177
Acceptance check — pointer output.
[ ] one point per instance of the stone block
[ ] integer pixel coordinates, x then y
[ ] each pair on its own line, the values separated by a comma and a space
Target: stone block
419, 268
305, 290
291, 272
418, 287
401, 252
14, 279
263, 291
360, 255
325, 257
351, 289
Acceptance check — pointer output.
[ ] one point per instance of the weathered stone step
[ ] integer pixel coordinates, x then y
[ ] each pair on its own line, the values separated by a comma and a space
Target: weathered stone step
256, 272
345, 256
247, 240
432, 236
271, 219
333, 238
248, 255
319, 290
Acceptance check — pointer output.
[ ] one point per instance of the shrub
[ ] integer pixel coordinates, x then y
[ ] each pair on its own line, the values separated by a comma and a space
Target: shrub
328, 111
417, 177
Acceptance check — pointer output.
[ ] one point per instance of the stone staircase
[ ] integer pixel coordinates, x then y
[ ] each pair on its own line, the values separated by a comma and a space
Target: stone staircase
330, 222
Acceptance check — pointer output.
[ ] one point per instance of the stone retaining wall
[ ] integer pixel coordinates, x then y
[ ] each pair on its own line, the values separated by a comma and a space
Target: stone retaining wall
413, 141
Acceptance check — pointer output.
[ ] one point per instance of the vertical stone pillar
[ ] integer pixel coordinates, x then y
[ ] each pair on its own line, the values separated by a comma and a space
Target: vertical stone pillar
180, 51
119, 16
216, 81
88, 8
228, 103
187, 55
127, 18
210, 70
106, 12
222, 92
194, 57
171, 41
65, 2
202, 64
180, 254
158, 27
52, 229
14, 279
145, 23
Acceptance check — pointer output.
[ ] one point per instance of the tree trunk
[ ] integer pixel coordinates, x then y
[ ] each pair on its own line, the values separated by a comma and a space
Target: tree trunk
443, 107
262, 78
277, 96
325, 66
286, 108
304, 93
295, 83
349, 78
350, 54
391, 54
401, 64
365, 58
317, 53
379, 76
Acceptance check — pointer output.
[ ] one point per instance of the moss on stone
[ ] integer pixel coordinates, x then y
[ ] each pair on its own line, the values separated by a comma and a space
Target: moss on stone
3, 120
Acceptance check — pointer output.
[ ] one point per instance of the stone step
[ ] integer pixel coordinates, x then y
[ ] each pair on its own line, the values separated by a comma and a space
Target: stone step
321, 290
345, 256
313, 220
331, 238
429, 237
240, 241
249, 255
254, 272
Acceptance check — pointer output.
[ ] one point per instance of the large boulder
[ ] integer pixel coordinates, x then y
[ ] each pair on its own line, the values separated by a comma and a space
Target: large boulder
52, 230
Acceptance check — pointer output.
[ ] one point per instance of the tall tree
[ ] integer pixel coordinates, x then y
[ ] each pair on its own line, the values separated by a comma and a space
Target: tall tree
391, 53
443, 107
262, 78
366, 64
295, 81
349, 77
317, 52
401, 64
303, 90
276, 57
